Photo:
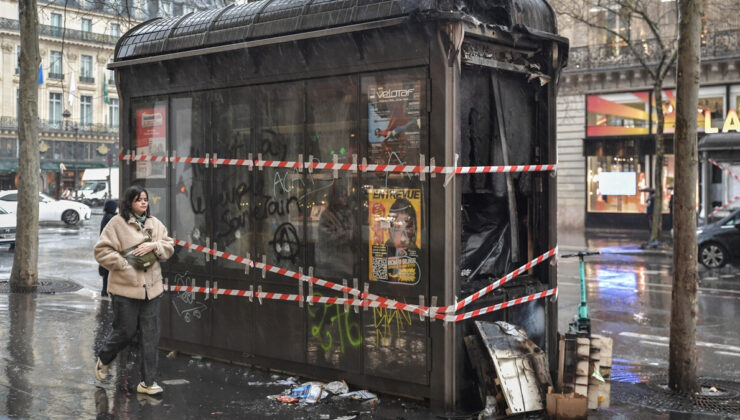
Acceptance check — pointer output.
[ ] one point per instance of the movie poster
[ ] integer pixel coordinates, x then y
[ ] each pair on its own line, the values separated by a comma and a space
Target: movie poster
395, 237
394, 121
151, 140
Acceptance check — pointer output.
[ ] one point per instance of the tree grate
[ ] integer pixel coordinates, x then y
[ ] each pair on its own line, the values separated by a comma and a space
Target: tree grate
47, 286
657, 395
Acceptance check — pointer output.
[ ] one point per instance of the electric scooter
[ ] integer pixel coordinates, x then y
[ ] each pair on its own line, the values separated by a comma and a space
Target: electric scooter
581, 323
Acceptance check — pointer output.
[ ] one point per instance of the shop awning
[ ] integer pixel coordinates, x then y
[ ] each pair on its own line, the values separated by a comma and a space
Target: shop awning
8, 166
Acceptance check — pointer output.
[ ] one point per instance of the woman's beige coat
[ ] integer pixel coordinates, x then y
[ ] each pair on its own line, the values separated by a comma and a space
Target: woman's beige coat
124, 280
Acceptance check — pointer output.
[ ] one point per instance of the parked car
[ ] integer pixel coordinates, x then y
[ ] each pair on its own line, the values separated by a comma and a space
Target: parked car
719, 242
50, 210
7, 228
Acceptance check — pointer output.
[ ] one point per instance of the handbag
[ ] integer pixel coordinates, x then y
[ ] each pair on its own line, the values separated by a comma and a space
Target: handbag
139, 262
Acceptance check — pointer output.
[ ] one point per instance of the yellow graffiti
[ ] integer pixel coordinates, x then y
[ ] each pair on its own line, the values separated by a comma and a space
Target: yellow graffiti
387, 322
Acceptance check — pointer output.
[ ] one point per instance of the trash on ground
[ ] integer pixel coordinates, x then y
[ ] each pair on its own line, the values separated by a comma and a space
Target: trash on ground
358, 395
337, 387
287, 399
345, 418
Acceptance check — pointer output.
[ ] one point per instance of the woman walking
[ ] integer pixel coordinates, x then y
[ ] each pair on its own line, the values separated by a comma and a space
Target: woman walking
130, 247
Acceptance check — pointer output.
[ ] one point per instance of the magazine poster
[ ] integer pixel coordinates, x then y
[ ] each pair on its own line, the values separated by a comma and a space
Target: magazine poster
151, 140
395, 237
394, 121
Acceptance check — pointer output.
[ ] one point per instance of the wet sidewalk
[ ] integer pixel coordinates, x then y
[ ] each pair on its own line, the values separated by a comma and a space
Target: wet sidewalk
48, 373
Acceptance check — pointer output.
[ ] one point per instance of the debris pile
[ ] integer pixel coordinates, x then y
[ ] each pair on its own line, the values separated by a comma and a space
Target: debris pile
314, 391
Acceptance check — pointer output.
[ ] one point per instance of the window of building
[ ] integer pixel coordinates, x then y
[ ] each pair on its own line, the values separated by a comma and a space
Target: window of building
56, 24
86, 25
618, 114
86, 110
111, 76
55, 109
18, 59
55, 65
711, 99
86, 69
115, 30
113, 112
618, 23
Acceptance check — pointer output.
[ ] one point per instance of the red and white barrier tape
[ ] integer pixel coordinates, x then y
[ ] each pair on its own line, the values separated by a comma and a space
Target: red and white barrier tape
722, 207
268, 267
370, 299
425, 169
475, 296
357, 302
725, 169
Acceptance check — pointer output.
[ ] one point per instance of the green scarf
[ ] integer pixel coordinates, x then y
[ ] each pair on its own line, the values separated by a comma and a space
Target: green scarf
140, 219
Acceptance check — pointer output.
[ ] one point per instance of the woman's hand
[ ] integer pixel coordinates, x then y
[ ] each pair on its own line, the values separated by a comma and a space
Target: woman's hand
144, 248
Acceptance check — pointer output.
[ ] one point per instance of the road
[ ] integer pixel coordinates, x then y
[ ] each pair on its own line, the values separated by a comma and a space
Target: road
629, 299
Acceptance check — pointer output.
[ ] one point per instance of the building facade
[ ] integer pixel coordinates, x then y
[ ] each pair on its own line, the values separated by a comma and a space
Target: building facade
78, 101
606, 115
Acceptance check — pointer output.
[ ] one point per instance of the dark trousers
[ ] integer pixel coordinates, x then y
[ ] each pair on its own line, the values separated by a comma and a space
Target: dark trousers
104, 290
129, 317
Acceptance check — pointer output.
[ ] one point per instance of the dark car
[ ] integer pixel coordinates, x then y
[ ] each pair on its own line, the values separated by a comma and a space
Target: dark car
719, 242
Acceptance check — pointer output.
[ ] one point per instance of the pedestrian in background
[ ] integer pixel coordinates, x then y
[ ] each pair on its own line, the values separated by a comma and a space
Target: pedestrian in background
130, 247
649, 209
109, 210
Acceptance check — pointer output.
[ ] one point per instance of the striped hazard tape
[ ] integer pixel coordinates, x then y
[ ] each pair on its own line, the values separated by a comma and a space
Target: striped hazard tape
354, 167
357, 302
367, 299
725, 169
735, 198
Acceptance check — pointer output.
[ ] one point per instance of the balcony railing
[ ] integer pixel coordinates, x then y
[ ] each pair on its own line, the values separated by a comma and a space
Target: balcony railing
87, 79
53, 126
59, 76
714, 44
58, 32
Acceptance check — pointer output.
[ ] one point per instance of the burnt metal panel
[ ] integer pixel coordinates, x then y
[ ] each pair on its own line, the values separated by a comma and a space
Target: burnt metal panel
272, 18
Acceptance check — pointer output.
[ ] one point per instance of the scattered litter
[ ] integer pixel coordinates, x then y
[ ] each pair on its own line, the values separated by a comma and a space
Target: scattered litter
196, 357
345, 418
282, 382
287, 399
172, 354
176, 382
337, 387
217, 413
325, 416
713, 389
358, 395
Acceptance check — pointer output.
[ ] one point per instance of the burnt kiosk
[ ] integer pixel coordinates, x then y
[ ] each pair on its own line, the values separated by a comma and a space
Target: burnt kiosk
231, 118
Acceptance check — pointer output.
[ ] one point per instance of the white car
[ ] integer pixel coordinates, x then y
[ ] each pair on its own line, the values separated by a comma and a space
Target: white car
7, 228
50, 210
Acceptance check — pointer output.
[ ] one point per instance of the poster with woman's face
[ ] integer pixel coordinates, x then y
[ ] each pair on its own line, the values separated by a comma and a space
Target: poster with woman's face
395, 239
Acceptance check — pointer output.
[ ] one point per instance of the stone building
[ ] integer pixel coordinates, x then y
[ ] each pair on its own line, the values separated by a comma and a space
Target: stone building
606, 112
78, 102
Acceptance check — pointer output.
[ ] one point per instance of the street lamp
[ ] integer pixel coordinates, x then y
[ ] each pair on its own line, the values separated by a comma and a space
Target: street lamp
66, 114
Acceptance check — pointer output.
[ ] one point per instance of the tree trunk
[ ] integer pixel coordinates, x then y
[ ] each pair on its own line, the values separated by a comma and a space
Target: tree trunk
24, 274
657, 230
682, 350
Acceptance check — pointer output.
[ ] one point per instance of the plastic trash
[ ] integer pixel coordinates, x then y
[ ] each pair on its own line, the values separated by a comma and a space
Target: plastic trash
337, 387
359, 395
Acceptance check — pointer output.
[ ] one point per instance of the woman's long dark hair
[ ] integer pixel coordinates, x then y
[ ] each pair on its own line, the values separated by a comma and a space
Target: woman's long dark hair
131, 194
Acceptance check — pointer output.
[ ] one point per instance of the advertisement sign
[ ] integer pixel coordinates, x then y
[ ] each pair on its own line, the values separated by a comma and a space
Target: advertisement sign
151, 140
394, 121
395, 238
618, 183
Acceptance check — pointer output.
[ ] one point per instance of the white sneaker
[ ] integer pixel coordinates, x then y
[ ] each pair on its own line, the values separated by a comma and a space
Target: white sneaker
152, 389
101, 371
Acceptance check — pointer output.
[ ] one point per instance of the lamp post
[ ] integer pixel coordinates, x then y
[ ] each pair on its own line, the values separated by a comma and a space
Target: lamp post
66, 114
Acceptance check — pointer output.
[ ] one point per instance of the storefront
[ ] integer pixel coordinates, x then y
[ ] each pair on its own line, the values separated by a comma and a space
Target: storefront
619, 149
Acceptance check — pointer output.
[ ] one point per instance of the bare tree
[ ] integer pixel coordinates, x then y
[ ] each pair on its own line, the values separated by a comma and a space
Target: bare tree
655, 51
24, 274
682, 350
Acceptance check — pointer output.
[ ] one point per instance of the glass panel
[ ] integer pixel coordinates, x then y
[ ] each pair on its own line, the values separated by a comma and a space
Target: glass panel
232, 203
617, 114
711, 99
332, 234
278, 192
191, 184
394, 223
608, 174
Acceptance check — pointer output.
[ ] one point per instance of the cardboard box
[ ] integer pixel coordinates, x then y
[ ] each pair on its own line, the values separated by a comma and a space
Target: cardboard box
566, 406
